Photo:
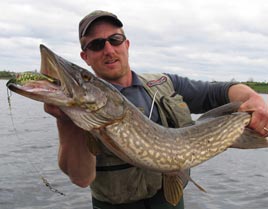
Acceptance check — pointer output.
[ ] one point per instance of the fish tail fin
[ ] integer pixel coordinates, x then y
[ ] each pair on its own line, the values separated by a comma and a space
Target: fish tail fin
250, 140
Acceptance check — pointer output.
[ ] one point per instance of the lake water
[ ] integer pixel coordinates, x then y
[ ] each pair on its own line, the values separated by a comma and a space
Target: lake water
235, 179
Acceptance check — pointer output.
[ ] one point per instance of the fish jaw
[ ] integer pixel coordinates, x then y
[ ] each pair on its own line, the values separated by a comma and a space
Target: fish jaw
60, 83
39, 90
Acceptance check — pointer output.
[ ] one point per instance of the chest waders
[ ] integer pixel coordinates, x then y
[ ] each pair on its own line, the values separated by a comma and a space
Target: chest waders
120, 185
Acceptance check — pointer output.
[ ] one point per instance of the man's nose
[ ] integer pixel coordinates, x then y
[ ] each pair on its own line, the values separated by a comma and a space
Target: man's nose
108, 48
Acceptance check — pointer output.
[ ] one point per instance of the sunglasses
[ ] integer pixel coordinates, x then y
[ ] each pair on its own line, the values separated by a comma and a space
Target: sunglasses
99, 43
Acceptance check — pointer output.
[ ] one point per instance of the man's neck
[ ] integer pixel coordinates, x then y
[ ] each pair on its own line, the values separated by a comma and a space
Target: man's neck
123, 81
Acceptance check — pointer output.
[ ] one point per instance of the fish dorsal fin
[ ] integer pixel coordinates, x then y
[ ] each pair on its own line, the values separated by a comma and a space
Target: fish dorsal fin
173, 188
226, 109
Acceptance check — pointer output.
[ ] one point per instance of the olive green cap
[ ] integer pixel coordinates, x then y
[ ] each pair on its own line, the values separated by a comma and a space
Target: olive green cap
86, 22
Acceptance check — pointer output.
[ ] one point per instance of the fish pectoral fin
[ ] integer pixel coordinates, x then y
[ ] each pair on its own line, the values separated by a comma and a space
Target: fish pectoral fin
173, 188
197, 185
93, 144
184, 175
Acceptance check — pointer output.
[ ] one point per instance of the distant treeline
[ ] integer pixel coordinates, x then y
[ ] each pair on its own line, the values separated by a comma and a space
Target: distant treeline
261, 87
6, 74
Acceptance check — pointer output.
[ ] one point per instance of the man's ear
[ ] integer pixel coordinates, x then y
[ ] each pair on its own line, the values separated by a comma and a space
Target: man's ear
83, 55
127, 43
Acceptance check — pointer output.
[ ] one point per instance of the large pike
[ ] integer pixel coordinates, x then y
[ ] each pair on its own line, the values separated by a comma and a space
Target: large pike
96, 106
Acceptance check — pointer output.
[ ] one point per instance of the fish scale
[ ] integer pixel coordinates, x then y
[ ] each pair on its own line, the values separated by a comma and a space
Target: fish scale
186, 147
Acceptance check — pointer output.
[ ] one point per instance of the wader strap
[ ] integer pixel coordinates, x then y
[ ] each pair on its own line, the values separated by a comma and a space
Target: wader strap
114, 167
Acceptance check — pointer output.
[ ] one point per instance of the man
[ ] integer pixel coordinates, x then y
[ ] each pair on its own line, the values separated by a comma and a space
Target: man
115, 184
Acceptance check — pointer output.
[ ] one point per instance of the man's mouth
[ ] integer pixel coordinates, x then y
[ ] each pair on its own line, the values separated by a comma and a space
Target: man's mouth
111, 61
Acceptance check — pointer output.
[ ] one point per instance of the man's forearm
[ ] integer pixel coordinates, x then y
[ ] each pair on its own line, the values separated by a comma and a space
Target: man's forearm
241, 92
74, 157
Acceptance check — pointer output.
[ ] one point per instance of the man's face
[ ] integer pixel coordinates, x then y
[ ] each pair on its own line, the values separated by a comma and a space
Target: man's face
110, 63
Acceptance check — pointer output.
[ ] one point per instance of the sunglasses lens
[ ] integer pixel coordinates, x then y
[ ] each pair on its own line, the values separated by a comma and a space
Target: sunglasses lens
116, 39
98, 44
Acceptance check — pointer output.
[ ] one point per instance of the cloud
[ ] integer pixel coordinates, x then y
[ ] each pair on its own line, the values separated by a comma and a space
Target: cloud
207, 40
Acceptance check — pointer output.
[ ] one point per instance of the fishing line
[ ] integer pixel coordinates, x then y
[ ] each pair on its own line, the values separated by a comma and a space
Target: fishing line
36, 170
9, 94
152, 106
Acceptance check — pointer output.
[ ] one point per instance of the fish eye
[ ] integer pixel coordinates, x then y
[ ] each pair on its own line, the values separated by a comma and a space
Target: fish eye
86, 76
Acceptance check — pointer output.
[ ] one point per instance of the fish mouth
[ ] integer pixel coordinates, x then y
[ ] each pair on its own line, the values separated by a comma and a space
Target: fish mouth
60, 83
55, 86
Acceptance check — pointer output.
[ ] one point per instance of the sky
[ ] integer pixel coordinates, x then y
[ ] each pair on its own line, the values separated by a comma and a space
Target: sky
211, 40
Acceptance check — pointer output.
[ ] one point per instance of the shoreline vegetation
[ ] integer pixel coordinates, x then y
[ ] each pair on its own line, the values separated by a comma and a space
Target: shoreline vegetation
260, 87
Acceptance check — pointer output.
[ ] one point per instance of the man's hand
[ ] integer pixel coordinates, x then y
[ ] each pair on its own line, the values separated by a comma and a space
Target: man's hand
253, 103
258, 108
56, 112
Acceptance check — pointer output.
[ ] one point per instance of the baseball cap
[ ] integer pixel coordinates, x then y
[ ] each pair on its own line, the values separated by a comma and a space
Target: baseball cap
91, 17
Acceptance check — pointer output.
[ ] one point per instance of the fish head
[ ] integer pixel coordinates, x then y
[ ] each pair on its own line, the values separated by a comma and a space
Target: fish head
61, 83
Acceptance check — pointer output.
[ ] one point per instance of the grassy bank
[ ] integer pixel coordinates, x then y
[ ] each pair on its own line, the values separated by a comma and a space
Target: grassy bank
260, 87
